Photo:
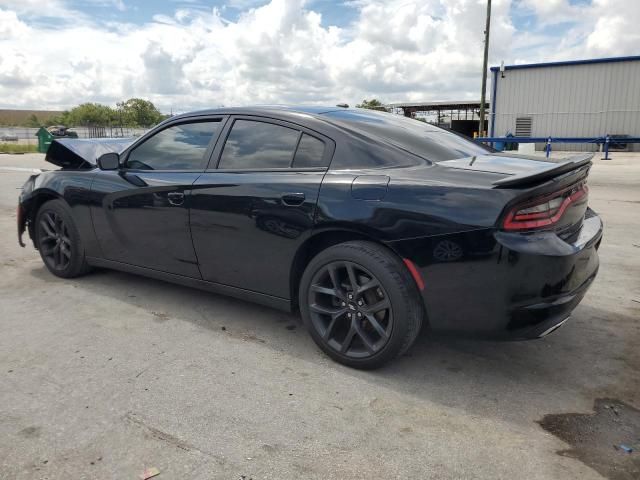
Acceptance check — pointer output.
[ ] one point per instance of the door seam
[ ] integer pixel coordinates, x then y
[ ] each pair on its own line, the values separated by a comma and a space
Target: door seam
193, 245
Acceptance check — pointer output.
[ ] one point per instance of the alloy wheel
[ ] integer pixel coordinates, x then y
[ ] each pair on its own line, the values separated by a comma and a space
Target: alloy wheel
54, 241
350, 309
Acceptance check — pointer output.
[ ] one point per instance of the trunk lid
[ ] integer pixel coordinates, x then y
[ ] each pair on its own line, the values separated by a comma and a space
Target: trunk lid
519, 170
534, 180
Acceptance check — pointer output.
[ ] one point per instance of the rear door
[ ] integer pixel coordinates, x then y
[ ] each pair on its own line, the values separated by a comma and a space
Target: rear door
141, 212
255, 205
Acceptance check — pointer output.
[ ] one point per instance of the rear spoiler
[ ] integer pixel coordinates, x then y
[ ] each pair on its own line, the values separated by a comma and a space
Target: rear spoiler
569, 164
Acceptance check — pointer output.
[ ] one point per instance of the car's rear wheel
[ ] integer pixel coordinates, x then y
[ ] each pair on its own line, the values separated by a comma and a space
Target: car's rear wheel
360, 304
58, 240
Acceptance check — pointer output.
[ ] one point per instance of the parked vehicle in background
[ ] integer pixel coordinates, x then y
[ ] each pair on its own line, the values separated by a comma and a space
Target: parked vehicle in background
61, 131
372, 225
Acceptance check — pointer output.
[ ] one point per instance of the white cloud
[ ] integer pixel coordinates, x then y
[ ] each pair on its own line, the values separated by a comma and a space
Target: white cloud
615, 30
282, 52
11, 27
552, 11
602, 28
48, 8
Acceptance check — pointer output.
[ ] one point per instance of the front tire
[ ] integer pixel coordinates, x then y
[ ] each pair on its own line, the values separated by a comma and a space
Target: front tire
58, 240
360, 304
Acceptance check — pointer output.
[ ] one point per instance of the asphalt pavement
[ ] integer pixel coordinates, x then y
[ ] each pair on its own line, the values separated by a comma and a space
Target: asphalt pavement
106, 375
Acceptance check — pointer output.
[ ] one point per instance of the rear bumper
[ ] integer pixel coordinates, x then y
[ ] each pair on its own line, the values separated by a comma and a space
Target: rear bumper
504, 285
540, 319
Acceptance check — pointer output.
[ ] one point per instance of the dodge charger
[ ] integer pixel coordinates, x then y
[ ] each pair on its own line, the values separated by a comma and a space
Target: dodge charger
372, 226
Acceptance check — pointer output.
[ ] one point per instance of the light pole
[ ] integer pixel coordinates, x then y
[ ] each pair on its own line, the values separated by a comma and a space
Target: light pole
483, 95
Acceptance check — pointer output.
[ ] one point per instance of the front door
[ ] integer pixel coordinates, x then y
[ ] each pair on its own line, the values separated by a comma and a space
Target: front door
250, 215
141, 212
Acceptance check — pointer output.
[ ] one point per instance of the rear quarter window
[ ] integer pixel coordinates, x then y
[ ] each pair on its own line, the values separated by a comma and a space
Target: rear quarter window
310, 153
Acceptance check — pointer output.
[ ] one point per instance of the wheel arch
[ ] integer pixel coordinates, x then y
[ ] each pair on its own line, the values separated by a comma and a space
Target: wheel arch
318, 242
33, 205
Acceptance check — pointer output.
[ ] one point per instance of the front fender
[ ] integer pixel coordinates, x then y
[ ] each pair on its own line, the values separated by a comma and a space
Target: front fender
35, 191
25, 202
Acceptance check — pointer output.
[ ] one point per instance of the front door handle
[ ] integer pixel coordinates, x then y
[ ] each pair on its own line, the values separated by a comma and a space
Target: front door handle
175, 198
293, 199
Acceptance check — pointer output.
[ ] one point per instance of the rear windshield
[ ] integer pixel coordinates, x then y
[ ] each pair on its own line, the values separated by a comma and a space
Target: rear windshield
420, 138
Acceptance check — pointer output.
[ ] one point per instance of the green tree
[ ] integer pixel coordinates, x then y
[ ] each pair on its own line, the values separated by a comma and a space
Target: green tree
61, 119
373, 104
137, 112
33, 121
93, 114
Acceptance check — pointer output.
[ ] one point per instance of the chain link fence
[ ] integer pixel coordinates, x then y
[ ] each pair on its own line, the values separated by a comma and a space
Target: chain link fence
27, 136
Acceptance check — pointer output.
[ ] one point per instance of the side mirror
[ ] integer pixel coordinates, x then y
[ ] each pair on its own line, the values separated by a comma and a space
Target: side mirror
109, 161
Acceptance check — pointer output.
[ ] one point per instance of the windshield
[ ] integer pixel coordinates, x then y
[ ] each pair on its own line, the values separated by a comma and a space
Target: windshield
420, 138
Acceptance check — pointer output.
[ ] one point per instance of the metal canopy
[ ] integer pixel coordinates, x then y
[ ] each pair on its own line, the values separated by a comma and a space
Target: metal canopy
435, 106
456, 110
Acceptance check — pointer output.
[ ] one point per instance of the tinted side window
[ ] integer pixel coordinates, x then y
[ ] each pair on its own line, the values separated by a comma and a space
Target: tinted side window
181, 147
253, 144
426, 141
310, 153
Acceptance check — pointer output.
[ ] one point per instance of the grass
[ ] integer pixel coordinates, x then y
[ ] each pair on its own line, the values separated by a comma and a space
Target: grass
17, 148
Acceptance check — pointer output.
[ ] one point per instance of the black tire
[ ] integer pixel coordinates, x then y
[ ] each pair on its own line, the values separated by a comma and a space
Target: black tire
58, 240
372, 337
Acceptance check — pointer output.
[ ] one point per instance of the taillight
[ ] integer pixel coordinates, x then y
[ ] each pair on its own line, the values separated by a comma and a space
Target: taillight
544, 211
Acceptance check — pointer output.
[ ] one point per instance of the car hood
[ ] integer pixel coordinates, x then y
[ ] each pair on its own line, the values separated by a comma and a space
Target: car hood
74, 153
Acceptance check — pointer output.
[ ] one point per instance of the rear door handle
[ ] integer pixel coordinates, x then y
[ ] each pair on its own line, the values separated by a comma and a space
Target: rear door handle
175, 198
293, 199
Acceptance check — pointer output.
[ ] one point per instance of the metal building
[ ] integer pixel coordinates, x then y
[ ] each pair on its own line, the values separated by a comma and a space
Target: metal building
583, 98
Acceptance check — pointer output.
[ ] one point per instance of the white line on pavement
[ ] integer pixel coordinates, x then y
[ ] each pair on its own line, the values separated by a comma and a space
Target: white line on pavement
21, 169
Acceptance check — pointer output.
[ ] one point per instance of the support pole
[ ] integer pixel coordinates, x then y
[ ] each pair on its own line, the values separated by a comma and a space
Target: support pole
485, 61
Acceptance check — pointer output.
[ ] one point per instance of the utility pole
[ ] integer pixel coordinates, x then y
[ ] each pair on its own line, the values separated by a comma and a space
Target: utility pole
483, 96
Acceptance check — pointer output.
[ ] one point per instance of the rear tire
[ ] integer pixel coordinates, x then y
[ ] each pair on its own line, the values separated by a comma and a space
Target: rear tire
58, 240
360, 304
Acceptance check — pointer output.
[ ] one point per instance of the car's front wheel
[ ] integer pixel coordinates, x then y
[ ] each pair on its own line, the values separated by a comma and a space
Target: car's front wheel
58, 240
360, 304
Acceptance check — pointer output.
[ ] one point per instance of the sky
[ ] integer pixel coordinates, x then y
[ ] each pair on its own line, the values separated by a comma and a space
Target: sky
189, 54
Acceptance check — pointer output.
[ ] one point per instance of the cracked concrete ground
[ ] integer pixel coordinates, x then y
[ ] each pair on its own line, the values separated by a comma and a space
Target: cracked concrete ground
105, 375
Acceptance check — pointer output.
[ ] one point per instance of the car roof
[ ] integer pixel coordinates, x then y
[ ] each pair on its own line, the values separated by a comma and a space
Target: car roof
378, 129
264, 109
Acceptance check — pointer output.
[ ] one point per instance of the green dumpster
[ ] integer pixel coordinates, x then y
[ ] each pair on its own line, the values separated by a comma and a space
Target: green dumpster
44, 139
47, 135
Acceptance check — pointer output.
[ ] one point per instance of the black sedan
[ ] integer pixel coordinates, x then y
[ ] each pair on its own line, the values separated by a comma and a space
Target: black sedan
372, 225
